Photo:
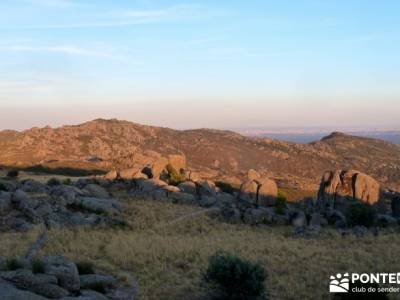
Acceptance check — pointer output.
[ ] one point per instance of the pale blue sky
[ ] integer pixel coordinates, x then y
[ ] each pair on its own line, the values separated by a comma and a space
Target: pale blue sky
201, 63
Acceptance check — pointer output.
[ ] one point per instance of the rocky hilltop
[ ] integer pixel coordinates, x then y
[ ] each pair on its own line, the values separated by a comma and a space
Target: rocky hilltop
215, 154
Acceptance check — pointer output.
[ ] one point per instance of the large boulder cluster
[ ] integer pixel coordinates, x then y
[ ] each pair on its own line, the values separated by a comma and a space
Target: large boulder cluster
154, 169
56, 277
30, 203
340, 188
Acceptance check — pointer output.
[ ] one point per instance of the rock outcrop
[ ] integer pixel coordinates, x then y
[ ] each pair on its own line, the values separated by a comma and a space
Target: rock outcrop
339, 188
261, 192
58, 278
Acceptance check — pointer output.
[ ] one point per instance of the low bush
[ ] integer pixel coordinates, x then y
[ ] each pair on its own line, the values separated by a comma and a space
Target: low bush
232, 277
13, 263
280, 205
359, 214
174, 177
85, 268
53, 182
3, 187
37, 266
13, 173
67, 181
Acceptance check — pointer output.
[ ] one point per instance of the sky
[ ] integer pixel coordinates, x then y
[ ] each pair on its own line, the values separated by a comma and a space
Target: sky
201, 63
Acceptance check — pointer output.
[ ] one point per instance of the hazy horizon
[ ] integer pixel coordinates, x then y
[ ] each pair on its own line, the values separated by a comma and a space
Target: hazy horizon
184, 64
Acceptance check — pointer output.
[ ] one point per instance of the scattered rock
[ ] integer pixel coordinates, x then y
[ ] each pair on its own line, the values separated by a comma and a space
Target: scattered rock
188, 187
94, 190
248, 191
267, 192
65, 271
111, 175
386, 220
97, 205
253, 175
299, 219
206, 201
206, 188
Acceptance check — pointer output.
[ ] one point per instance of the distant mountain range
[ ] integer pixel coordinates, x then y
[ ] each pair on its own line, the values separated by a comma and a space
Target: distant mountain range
224, 155
390, 136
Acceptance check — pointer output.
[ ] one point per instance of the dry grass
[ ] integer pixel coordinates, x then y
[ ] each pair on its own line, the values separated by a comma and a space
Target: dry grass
168, 260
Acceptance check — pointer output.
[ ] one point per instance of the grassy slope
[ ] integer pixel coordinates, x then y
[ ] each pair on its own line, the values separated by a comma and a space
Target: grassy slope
168, 258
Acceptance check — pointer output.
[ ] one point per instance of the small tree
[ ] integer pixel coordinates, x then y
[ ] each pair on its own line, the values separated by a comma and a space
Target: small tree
174, 177
234, 278
359, 214
53, 182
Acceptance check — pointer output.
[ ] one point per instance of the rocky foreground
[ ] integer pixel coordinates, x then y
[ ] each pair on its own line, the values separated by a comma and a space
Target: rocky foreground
56, 277
94, 201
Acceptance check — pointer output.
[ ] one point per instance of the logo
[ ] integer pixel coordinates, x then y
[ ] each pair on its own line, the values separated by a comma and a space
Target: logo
339, 283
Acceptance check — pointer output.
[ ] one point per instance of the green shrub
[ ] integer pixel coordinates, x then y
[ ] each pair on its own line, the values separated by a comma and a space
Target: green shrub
13, 173
174, 177
67, 181
13, 263
225, 187
3, 187
359, 214
37, 266
53, 182
280, 205
232, 277
85, 268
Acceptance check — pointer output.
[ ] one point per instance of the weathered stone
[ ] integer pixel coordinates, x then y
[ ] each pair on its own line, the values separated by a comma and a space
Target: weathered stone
183, 198
267, 192
317, 220
281, 219
386, 220
111, 175
171, 189
42, 284
248, 191
160, 195
206, 188
188, 187
253, 175
206, 201
49, 290
67, 193
230, 215
19, 196
94, 190
260, 215
149, 185
299, 219
9, 292
338, 189
33, 186
98, 205
5, 201
132, 173
65, 271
